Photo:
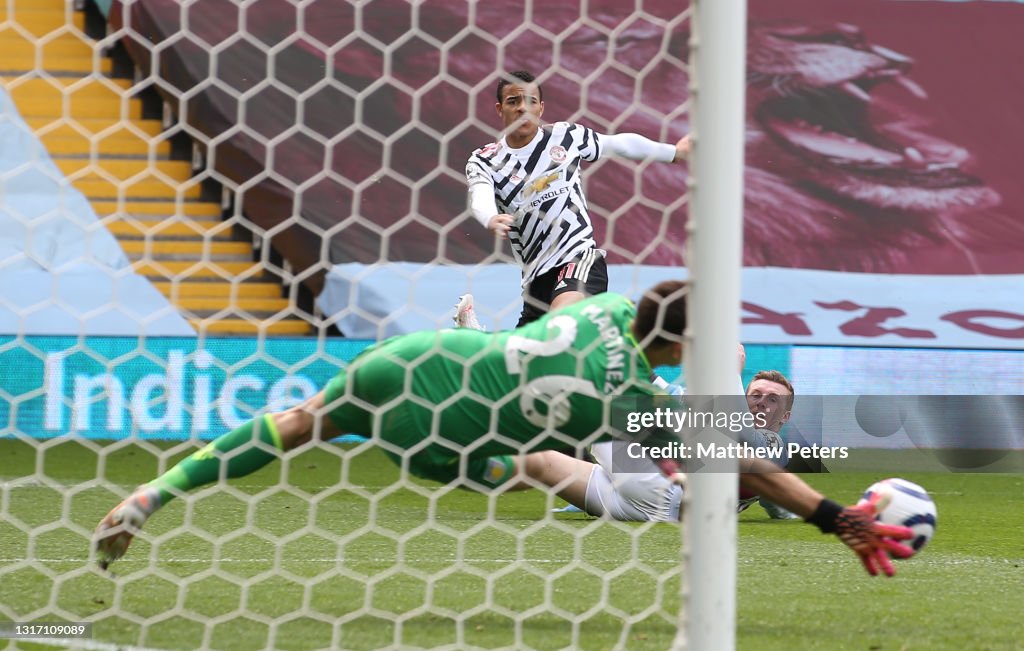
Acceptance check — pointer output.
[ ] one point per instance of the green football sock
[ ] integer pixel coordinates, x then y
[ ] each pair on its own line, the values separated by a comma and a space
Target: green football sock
204, 467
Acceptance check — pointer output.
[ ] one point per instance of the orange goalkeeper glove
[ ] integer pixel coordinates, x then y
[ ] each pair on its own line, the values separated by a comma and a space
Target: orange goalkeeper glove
871, 540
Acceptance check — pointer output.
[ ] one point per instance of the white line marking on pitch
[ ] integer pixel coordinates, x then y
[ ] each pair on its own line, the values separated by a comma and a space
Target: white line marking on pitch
417, 561
924, 560
88, 645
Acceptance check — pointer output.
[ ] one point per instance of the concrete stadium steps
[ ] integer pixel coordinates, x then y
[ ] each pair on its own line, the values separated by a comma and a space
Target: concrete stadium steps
51, 103
220, 308
197, 269
228, 326
94, 131
117, 145
185, 289
54, 43
22, 63
94, 186
212, 304
41, 18
81, 106
221, 326
69, 127
158, 212
164, 249
125, 168
103, 98
134, 227
57, 88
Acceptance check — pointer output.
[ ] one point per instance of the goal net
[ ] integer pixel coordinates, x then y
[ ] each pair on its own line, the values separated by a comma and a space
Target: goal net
208, 209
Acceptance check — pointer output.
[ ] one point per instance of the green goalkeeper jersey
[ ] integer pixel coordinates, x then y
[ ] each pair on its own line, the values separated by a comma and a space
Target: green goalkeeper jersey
451, 394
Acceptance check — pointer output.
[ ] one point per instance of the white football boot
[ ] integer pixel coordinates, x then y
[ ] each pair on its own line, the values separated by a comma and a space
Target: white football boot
465, 314
776, 512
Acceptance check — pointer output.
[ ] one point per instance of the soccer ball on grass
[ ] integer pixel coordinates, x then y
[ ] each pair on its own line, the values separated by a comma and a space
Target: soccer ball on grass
905, 504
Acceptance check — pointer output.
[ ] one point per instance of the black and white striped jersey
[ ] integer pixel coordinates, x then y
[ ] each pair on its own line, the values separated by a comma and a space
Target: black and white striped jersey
541, 186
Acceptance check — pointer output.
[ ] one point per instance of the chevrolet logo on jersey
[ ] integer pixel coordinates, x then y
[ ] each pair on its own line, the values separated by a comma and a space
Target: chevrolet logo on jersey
540, 184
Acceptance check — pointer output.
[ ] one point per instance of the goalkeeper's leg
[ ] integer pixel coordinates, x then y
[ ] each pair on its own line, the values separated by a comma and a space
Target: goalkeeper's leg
240, 452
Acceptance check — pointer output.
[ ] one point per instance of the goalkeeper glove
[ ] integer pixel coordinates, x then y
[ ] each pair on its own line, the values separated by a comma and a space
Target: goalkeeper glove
872, 541
116, 531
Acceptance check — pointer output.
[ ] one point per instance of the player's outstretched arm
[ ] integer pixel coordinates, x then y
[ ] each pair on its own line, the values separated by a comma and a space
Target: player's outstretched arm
636, 147
873, 542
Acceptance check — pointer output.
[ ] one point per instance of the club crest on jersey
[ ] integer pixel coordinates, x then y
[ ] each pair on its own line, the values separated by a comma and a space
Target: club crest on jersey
557, 153
489, 149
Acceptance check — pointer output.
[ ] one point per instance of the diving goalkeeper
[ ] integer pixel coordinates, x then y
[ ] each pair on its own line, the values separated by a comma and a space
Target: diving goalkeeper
456, 405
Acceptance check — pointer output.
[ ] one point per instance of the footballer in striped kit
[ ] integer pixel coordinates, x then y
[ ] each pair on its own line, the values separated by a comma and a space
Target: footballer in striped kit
528, 188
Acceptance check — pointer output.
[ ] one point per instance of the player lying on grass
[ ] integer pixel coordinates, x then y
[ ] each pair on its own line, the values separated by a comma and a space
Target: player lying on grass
600, 490
454, 405
770, 394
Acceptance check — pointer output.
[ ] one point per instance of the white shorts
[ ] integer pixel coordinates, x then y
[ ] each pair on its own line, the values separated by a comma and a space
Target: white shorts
633, 497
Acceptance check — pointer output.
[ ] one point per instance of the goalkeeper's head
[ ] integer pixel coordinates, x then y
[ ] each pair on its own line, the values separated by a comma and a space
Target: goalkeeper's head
660, 322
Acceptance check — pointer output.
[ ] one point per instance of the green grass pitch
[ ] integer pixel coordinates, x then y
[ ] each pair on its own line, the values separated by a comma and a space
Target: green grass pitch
327, 580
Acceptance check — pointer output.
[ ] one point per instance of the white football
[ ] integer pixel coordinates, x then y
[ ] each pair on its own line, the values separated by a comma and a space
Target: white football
906, 504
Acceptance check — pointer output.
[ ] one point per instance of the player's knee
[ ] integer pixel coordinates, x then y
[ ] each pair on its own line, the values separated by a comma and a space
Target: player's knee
539, 466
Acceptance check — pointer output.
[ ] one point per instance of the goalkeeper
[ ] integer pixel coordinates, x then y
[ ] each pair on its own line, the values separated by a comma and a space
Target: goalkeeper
455, 405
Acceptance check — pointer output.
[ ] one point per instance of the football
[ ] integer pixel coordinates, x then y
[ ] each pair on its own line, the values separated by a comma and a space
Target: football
906, 504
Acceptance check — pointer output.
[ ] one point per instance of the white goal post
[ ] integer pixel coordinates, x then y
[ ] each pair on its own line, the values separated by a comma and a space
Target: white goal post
715, 246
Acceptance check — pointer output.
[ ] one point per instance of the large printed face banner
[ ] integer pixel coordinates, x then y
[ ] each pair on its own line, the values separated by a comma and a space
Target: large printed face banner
881, 138
877, 137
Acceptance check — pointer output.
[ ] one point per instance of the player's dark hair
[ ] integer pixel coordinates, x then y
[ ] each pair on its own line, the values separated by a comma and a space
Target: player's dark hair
516, 77
778, 378
661, 314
